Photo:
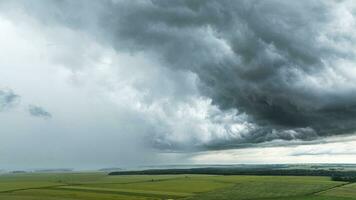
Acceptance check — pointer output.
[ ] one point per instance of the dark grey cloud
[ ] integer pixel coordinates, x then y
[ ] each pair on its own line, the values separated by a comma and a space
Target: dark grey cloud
37, 111
287, 65
8, 99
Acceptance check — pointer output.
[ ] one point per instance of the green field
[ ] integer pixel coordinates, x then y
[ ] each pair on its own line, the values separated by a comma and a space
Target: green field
99, 186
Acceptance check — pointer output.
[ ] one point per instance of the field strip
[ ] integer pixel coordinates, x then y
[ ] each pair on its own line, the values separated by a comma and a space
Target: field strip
31, 188
125, 191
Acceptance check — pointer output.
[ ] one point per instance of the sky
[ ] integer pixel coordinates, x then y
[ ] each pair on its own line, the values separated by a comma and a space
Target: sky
127, 83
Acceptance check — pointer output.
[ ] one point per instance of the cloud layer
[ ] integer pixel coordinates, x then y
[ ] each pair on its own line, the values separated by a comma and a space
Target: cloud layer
227, 73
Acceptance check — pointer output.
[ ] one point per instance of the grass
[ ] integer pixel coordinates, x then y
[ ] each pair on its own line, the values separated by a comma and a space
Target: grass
270, 187
347, 191
94, 186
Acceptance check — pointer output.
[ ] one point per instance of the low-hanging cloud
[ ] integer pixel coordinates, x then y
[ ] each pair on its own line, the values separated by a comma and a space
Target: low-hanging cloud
37, 111
8, 99
288, 67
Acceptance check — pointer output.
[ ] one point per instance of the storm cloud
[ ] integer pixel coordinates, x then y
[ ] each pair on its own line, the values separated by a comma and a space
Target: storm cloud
265, 70
283, 64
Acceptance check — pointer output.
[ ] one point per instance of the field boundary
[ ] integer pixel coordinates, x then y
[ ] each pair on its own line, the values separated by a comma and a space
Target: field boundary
332, 188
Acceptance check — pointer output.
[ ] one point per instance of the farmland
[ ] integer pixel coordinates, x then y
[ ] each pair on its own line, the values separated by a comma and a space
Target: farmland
94, 186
